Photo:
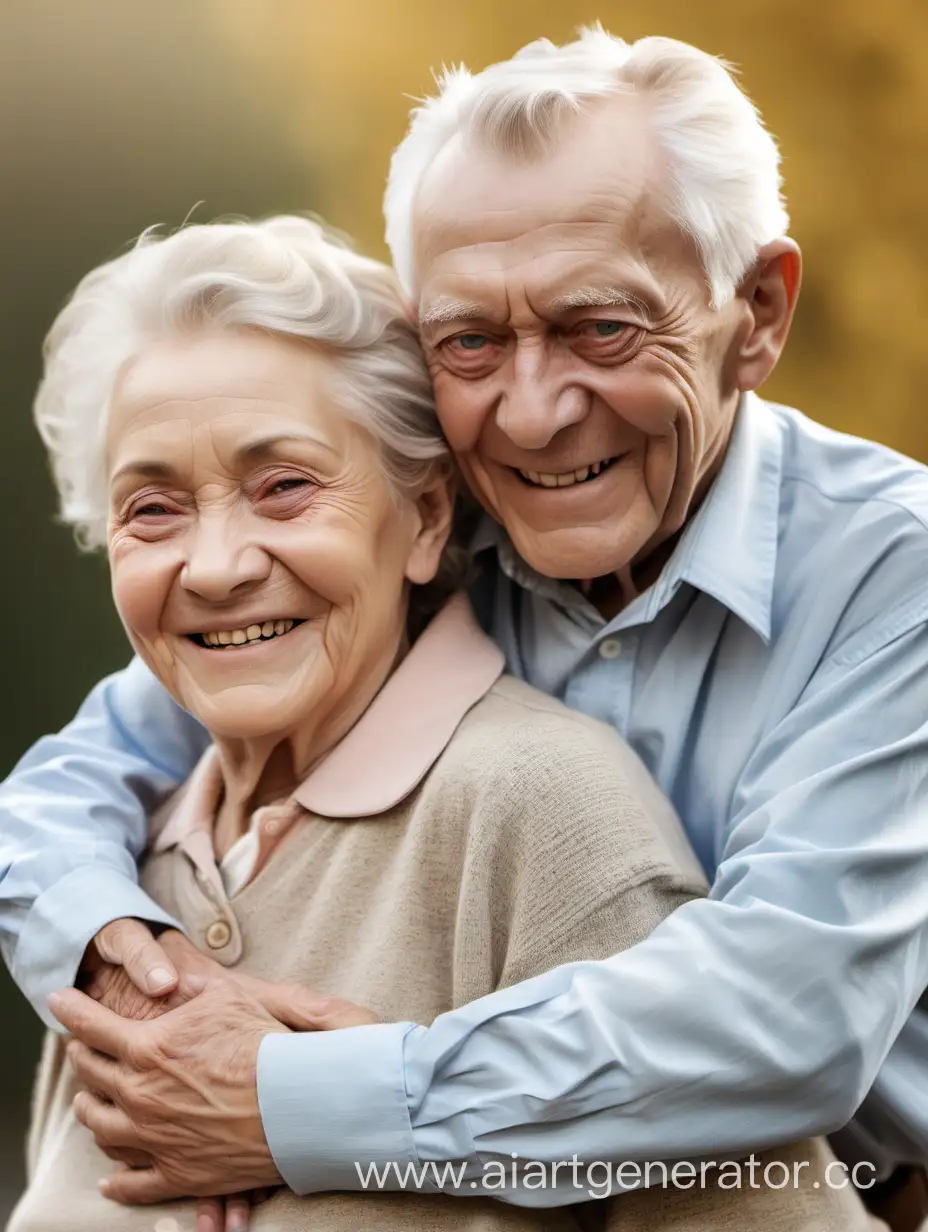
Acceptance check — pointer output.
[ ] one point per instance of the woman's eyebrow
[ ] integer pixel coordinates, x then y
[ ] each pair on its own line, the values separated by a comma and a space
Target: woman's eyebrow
142, 470
267, 446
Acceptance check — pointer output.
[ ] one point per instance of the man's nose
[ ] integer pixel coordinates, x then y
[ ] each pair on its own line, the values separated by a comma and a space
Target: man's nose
221, 562
537, 404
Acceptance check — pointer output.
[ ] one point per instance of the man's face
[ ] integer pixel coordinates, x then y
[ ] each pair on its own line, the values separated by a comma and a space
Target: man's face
582, 378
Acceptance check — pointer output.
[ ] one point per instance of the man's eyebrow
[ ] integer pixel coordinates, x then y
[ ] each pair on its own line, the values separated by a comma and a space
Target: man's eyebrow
597, 297
446, 309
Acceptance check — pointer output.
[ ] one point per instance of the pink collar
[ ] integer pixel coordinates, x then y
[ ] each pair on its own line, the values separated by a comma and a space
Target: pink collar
394, 744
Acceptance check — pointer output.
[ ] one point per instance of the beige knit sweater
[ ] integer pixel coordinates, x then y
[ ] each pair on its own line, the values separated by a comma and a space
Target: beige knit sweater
536, 839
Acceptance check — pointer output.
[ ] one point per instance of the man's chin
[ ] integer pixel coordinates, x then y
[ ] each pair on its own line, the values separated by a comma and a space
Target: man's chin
572, 552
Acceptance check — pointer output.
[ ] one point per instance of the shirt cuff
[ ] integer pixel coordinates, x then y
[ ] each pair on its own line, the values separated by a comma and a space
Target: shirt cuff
334, 1104
61, 923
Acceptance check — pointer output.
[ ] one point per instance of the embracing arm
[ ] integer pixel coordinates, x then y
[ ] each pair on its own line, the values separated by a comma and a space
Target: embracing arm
756, 1017
72, 826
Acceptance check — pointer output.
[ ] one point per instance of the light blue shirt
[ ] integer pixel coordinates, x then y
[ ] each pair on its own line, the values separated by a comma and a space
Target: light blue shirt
775, 681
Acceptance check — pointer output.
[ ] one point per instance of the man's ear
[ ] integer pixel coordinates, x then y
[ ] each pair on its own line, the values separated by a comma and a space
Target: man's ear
770, 291
435, 507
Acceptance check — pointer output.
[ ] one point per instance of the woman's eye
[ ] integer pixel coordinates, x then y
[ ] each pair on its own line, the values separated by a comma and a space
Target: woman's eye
285, 485
152, 510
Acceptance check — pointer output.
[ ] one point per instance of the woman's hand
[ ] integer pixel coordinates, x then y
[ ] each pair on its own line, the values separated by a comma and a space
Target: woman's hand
130, 944
232, 1214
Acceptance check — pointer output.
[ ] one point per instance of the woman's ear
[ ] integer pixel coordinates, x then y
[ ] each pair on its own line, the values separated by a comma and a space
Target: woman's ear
435, 507
770, 291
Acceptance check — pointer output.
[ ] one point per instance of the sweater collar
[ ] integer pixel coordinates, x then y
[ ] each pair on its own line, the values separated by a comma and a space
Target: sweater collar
394, 744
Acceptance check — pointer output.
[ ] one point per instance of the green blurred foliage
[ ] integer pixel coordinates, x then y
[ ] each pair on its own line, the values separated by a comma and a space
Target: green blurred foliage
116, 114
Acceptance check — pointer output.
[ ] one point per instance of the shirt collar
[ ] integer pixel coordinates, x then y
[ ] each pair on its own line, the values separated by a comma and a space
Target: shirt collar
728, 550
392, 747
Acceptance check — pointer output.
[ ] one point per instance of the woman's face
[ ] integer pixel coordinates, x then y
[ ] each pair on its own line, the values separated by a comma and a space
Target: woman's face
259, 560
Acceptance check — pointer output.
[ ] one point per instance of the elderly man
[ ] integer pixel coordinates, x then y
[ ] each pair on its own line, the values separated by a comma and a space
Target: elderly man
596, 241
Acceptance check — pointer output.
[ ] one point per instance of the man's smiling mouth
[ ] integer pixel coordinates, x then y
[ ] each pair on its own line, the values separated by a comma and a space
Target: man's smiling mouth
565, 479
234, 639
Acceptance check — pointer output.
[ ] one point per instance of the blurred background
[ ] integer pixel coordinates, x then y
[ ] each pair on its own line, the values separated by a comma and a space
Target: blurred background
116, 114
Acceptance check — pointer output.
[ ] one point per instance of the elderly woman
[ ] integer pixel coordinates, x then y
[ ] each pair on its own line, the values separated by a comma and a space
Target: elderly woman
242, 416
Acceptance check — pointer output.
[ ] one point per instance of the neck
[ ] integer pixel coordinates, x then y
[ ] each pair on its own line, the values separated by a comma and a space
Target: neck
614, 592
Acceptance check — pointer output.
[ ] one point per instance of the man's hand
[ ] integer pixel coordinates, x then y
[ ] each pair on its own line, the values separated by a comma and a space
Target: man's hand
182, 1091
179, 1092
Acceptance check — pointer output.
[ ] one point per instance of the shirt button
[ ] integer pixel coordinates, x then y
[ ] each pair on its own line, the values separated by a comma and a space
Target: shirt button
218, 934
610, 648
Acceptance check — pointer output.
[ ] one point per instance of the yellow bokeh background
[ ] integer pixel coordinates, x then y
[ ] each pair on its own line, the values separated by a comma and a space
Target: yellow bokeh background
843, 84
117, 114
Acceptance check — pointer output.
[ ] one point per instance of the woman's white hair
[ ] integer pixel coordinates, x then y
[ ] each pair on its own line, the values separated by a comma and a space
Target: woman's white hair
286, 275
725, 186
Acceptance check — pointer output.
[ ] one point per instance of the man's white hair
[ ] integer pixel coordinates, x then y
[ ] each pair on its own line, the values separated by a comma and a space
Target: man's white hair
287, 276
723, 165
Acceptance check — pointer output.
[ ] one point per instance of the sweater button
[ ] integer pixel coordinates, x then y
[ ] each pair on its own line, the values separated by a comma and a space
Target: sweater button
218, 934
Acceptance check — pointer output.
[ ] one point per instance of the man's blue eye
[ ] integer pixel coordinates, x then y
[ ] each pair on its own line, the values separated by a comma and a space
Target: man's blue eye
608, 329
472, 342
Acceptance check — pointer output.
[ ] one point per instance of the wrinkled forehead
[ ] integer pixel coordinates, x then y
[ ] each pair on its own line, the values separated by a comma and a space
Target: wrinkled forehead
594, 205
227, 391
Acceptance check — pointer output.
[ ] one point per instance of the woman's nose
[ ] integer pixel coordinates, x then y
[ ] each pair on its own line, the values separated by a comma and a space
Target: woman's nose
220, 563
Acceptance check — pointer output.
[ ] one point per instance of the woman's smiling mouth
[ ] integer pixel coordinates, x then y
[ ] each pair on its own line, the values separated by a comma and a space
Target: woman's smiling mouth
566, 479
249, 635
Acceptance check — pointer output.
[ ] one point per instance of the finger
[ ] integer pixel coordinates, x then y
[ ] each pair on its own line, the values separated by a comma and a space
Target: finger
211, 1216
139, 1187
96, 1071
238, 1213
124, 1155
109, 1125
93, 1023
129, 944
303, 1010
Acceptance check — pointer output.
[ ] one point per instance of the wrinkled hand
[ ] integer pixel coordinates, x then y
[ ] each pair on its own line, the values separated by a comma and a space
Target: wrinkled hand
130, 944
112, 984
177, 1095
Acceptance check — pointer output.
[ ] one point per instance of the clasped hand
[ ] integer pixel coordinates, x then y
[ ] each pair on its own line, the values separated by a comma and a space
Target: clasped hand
171, 1081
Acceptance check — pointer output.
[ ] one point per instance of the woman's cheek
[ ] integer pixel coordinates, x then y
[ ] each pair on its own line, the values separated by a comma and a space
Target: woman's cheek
139, 582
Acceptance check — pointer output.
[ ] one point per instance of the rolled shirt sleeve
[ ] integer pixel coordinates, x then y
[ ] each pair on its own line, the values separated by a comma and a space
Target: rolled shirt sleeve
759, 1016
73, 824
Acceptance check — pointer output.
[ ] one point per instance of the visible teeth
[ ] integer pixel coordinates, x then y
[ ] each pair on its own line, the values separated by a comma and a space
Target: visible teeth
548, 479
253, 633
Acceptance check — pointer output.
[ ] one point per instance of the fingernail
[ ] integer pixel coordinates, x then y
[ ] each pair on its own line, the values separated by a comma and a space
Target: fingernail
158, 979
53, 1001
104, 1186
